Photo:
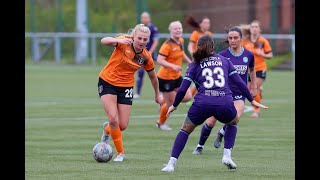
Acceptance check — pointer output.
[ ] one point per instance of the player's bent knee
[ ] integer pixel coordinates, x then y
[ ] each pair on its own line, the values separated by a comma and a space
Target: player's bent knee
188, 126
122, 128
233, 122
113, 124
211, 122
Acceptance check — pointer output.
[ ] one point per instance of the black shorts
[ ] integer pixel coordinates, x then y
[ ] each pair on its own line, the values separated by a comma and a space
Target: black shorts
169, 85
124, 94
259, 74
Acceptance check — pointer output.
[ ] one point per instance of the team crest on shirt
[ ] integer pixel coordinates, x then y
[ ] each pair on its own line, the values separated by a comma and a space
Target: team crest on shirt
141, 60
245, 59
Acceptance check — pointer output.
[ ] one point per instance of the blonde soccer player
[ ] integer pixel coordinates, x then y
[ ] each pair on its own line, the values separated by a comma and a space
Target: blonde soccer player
116, 81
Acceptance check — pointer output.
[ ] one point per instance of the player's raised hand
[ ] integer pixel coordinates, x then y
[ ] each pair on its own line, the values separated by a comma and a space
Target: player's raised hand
171, 109
127, 41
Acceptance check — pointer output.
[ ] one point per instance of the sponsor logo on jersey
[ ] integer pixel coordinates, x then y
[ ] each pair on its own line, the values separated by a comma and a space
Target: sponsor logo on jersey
241, 69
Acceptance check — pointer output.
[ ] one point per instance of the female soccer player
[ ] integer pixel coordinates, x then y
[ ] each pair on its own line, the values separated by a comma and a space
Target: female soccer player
170, 57
211, 73
262, 50
200, 28
116, 81
243, 61
151, 47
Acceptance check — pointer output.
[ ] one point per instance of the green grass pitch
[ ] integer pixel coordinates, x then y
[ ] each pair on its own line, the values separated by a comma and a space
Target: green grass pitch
64, 117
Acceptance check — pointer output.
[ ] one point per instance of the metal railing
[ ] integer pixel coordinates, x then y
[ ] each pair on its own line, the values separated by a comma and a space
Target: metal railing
56, 36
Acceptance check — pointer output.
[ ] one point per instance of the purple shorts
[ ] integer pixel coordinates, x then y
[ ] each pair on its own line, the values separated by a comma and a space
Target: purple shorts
238, 97
225, 113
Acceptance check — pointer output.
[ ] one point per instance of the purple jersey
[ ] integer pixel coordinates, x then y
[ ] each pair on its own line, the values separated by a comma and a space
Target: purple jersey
211, 77
154, 35
242, 62
214, 97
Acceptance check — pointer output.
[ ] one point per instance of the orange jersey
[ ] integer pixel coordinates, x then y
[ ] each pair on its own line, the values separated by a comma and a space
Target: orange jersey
174, 53
261, 43
123, 63
195, 35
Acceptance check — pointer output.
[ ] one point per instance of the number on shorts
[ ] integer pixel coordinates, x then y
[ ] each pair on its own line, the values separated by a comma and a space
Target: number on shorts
128, 93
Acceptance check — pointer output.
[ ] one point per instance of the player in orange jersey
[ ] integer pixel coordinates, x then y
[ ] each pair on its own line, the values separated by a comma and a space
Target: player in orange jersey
245, 29
170, 57
200, 28
116, 81
145, 19
262, 50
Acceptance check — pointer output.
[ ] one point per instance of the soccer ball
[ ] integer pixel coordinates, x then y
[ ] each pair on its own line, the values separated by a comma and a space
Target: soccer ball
102, 152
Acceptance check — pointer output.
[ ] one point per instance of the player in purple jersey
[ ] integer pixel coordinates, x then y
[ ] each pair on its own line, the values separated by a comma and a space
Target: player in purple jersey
211, 73
151, 47
243, 60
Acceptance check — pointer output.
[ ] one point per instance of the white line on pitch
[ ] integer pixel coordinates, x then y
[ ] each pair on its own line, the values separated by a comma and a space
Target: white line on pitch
246, 109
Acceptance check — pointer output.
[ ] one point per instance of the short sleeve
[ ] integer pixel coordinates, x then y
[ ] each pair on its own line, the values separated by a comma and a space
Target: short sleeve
165, 49
267, 47
251, 59
150, 62
193, 37
155, 33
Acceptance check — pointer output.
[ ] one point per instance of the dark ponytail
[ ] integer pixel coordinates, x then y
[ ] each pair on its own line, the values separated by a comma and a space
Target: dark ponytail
205, 48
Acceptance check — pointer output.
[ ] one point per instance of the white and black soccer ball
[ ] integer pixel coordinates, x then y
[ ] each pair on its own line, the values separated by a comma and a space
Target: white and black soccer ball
102, 152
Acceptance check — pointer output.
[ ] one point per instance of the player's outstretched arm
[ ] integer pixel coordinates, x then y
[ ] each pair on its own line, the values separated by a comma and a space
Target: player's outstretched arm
255, 103
179, 96
155, 84
171, 109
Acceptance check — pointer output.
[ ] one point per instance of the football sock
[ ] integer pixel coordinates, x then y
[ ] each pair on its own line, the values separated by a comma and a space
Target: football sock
205, 132
222, 130
117, 140
230, 136
172, 161
227, 152
258, 99
179, 143
140, 80
163, 113
107, 129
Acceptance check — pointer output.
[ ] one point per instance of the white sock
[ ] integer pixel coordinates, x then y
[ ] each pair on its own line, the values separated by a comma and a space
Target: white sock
199, 145
172, 161
227, 152
222, 131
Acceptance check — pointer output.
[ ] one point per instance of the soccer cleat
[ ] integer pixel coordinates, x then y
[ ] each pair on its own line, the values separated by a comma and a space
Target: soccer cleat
218, 140
229, 163
119, 158
198, 151
164, 127
169, 168
105, 137
136, 96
